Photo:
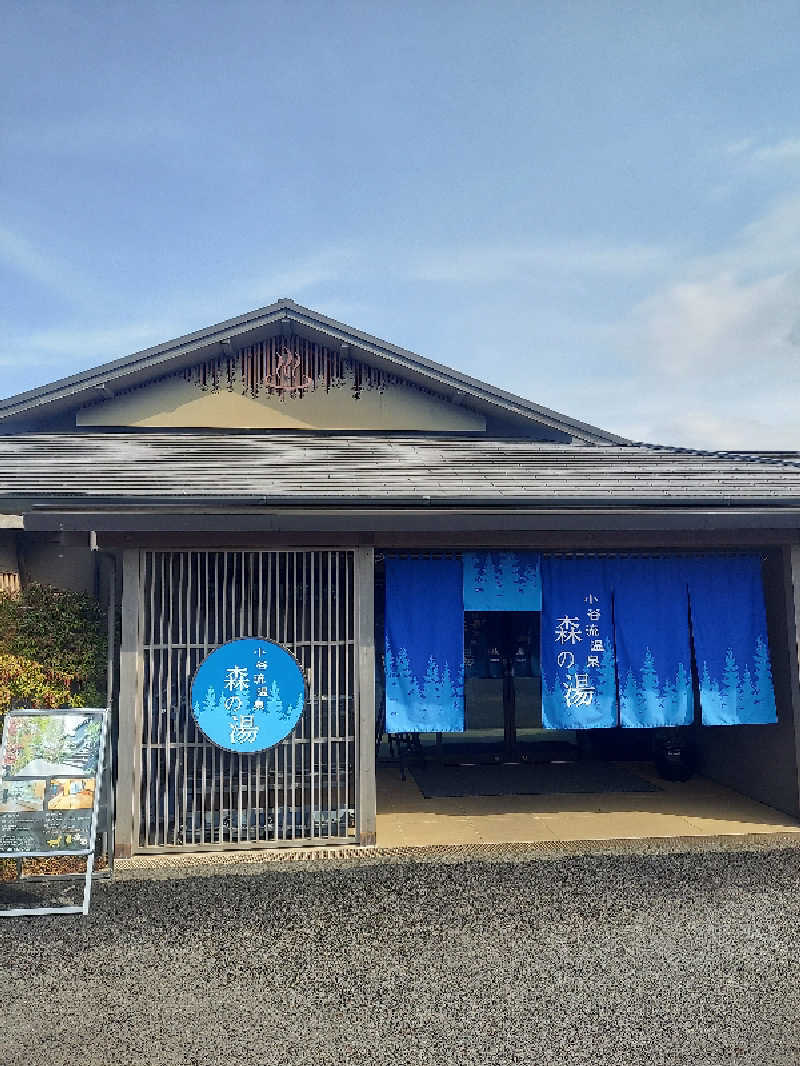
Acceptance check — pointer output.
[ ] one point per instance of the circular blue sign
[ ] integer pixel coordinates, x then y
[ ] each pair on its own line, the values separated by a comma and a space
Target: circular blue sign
248, 695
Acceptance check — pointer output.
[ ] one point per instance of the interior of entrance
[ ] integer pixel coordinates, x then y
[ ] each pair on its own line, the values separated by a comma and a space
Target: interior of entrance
502, 700
502, 684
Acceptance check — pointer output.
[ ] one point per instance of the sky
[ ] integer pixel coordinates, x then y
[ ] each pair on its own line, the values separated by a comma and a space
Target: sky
594, 205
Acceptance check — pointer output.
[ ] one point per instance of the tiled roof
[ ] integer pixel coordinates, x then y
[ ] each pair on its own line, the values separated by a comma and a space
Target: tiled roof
350, 470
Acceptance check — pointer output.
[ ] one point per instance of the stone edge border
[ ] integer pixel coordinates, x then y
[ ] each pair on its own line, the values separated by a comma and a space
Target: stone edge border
198, 864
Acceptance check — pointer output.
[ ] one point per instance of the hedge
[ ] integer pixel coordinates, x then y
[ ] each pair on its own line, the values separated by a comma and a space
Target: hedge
53, 649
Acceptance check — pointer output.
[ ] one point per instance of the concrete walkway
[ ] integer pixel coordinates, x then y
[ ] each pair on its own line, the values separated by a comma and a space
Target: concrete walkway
693, 808
650, 953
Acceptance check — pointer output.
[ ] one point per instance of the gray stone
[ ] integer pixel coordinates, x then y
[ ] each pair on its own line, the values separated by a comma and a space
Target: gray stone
600, 955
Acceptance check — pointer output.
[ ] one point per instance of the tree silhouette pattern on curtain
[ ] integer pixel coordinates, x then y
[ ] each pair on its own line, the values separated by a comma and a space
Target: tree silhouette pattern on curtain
502, 581
424, 651
597, 667
653, 600
651, 633
729, 627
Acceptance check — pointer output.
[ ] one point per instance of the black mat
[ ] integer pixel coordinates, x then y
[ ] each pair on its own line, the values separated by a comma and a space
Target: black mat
436, 780
493, 750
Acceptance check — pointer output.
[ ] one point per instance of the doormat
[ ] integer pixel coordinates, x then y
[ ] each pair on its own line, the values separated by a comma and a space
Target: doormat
458, 752
435, 780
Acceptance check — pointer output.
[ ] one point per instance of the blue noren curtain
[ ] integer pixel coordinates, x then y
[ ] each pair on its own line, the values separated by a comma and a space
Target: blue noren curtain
729, 627
424, 646
578, 678
502, 581
651, 629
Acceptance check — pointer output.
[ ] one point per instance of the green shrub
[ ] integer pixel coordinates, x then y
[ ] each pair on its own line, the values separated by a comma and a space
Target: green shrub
53, 649
53, 653
29, 684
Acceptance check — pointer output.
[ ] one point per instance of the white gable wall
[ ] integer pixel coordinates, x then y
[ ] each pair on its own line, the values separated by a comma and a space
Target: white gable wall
178, 403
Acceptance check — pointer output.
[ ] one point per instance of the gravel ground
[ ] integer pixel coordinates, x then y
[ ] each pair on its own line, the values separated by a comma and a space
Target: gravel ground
674, 957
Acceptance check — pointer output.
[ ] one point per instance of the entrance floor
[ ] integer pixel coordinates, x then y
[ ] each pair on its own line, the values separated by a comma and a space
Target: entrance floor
698, 807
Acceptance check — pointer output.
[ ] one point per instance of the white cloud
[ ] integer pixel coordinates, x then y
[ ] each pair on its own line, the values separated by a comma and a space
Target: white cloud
714, 362
718, 324
787, 150
106, 342
762, 158
485, 265
699, 410
739, 147
298, 275
27, 260
708, 358
48, 354
727, 431
736, 312
767, 245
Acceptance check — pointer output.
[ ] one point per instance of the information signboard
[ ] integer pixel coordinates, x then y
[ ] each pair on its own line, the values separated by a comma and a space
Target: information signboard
51, 769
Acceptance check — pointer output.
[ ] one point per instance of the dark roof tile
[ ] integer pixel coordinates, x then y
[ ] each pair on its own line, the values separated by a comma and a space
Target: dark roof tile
296, 468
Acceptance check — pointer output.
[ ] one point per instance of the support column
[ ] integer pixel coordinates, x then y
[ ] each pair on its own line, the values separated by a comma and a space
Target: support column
365, 650
128, 742
791, 568
108, 571
9, 558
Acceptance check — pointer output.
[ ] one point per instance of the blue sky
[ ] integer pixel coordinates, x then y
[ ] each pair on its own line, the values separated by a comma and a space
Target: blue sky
594, 205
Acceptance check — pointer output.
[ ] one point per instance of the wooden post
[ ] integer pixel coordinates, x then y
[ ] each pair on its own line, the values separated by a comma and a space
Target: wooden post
129, 677
791, 560
365, 650
112, 679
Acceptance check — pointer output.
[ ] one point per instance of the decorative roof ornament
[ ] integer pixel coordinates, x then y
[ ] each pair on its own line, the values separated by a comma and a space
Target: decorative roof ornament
287, 375
290, 367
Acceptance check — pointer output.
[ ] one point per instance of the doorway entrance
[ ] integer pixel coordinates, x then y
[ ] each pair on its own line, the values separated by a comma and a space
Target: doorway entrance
502, 683
502, 709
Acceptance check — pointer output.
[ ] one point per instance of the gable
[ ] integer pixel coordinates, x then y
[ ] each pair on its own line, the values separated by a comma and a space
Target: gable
412, 392
283, 383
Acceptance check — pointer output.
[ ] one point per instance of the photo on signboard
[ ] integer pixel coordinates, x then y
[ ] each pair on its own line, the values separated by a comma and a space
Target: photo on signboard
57, 745
70, 794
66, 830
21, 796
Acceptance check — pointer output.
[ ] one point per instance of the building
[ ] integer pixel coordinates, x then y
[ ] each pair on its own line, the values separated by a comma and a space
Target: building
286, 477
